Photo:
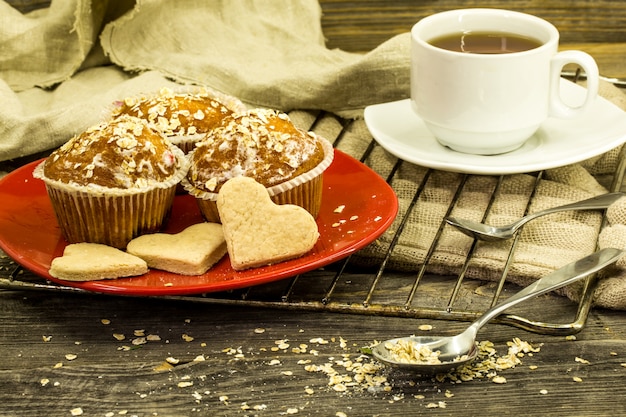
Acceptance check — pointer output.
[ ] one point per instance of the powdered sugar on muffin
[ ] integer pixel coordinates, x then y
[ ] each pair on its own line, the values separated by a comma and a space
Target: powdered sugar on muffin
261, 143
182, 116
125, 153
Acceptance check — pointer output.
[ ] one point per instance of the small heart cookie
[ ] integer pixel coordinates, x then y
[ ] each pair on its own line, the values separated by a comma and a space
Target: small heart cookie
190, 252
258, 231
93, 261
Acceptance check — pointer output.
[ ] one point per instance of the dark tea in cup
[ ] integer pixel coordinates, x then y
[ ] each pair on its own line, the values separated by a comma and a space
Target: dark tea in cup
485, 42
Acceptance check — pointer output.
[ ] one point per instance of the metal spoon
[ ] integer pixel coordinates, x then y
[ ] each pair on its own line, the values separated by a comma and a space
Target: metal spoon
460, 349
492, 233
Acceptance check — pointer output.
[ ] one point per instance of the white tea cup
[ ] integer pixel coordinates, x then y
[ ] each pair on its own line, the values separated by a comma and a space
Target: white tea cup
485, 102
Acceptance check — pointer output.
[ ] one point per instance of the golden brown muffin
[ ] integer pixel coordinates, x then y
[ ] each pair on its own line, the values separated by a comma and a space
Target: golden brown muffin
125, 153
265, 145
113, 182
182, 116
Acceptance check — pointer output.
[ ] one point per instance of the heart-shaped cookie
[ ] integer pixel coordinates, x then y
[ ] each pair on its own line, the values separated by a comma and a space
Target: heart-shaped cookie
190, 252
258, 231
93, 261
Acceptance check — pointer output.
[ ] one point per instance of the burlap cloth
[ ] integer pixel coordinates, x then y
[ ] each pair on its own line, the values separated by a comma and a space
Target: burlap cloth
62, 67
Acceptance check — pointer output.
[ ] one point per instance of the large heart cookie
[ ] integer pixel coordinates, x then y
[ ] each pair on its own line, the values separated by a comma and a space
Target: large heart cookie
259, 232
93, 261
190, 252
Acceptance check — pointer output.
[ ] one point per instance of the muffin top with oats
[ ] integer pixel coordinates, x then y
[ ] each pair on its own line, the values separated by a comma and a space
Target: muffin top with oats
262, 144
180, 113
124, 153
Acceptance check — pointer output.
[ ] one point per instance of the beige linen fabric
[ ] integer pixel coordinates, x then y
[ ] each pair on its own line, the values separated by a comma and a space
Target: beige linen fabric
267, 53
47, 46
62, 67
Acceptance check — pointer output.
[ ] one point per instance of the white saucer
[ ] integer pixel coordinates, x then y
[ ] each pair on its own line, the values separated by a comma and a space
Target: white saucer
558, 142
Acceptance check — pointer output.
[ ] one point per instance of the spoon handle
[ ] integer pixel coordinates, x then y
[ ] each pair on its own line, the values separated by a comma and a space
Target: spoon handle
557, 279
594, 203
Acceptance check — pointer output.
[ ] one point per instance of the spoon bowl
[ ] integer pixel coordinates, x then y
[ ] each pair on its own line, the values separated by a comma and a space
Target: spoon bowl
446, 347
435, 354
486, 232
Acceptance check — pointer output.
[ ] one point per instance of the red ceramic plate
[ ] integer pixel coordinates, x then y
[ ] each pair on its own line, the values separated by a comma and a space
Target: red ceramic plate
29, 232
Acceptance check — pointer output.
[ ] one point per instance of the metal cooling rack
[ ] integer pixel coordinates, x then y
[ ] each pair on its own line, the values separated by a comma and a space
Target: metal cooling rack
345, 288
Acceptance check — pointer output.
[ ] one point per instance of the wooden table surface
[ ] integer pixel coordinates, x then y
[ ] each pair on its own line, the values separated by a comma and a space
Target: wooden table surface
71, 353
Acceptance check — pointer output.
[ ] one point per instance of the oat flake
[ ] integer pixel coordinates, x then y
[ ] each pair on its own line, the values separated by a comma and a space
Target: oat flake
498, 380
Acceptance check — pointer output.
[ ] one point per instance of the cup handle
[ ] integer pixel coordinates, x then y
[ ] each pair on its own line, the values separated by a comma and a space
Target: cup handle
558, 108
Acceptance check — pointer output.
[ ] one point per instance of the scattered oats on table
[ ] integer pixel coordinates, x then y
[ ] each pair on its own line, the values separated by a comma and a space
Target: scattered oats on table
139, 341
498, 380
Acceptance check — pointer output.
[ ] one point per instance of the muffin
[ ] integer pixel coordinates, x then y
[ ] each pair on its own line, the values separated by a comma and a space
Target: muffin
113, 182
265, 145
184, 117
